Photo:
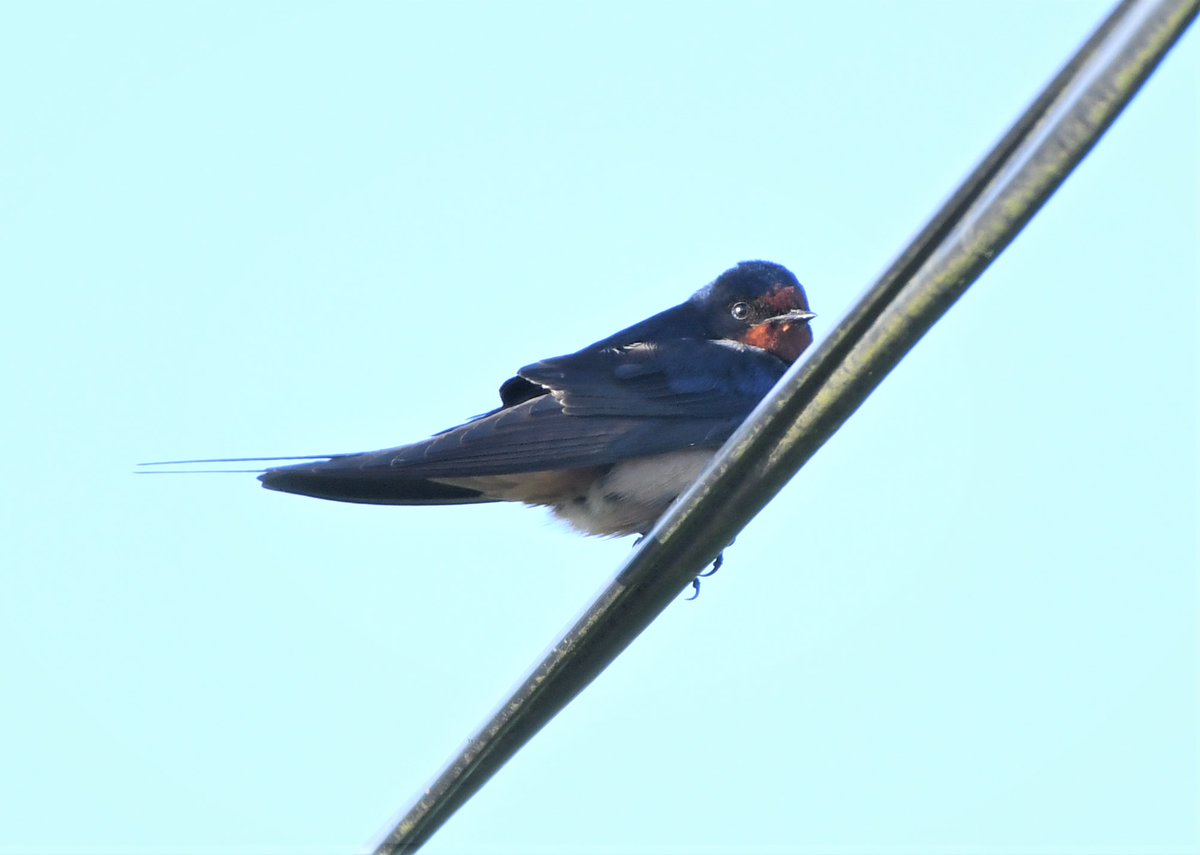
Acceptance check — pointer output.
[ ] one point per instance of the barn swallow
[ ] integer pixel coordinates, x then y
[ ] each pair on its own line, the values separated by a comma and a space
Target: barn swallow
606, 437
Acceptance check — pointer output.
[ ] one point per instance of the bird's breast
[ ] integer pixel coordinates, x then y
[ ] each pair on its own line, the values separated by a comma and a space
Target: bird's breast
631, 496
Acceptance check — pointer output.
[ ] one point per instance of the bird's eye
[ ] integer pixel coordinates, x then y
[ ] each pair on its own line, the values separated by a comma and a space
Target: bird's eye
740, 311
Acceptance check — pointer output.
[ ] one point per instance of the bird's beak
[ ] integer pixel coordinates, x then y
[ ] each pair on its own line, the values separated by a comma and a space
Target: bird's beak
795, 316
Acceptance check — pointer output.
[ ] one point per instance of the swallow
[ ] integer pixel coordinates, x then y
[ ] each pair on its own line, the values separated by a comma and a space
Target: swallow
606, 437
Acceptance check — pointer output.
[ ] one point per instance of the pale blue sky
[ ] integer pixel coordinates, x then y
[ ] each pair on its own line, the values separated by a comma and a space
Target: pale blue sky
969, 625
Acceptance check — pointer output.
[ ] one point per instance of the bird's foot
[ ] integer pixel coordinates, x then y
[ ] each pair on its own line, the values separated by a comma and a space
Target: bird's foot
716, 565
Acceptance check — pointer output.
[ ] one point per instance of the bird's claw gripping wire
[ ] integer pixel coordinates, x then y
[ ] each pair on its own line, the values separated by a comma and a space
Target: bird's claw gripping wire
716, 565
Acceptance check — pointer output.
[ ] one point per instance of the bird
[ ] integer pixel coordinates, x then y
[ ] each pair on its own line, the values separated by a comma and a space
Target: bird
606, 437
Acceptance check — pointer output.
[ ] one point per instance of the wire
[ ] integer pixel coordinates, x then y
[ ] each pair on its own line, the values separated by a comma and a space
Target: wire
814, 398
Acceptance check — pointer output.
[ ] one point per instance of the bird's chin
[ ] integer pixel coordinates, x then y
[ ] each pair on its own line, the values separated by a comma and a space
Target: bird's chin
785, 339
794, 339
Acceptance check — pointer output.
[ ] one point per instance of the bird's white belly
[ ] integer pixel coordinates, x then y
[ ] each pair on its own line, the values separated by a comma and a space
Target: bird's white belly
632, 495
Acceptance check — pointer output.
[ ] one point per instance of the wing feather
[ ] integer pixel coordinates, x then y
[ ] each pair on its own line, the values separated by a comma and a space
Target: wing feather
591, 408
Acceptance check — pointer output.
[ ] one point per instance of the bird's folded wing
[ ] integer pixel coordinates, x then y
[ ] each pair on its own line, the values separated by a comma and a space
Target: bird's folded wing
688, 378
537, 436
598, 407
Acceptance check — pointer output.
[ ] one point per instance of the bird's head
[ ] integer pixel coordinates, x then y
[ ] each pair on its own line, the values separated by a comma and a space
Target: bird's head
760, 304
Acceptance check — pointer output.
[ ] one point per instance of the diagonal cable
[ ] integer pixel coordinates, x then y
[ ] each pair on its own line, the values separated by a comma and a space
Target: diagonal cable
814, 398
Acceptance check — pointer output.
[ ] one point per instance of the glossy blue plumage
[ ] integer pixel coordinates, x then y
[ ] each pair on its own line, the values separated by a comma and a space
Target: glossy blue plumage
573, 430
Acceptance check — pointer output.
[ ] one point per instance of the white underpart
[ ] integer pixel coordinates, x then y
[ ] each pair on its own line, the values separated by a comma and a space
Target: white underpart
632, 495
